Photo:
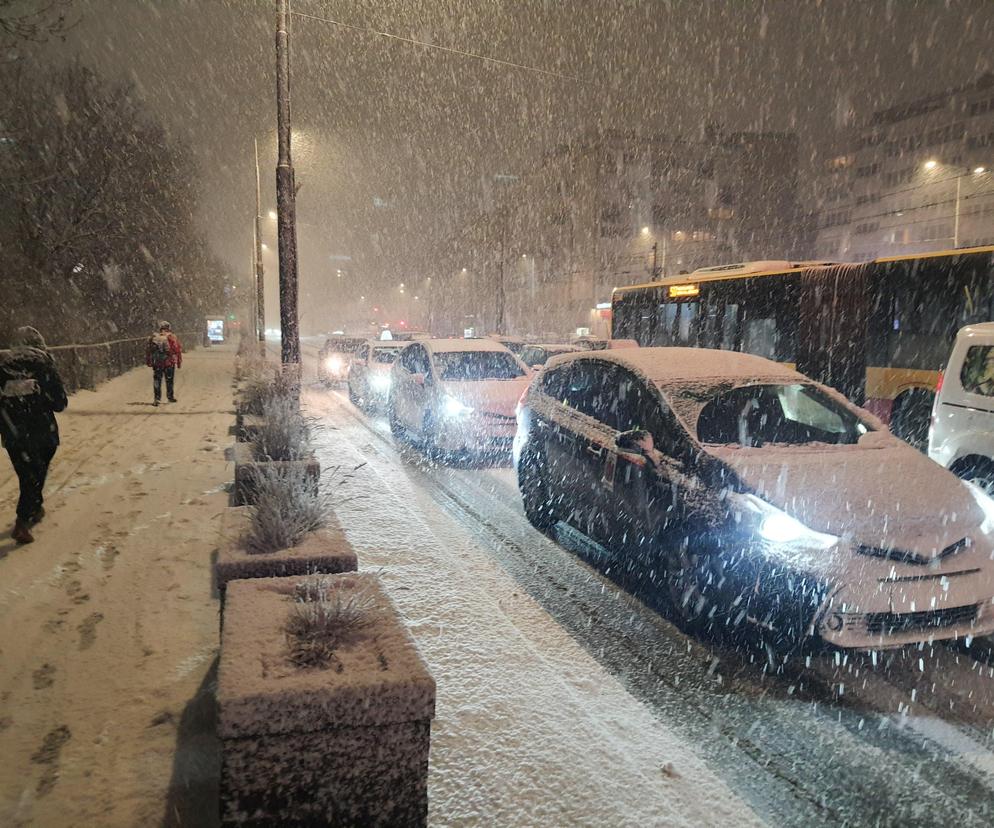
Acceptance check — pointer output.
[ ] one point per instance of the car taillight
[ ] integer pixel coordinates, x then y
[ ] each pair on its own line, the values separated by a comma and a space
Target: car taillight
938, 384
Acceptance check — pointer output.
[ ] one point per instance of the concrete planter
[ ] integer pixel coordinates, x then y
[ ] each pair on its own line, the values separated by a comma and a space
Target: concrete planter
324, 551
344, 745
248, 426
246, 463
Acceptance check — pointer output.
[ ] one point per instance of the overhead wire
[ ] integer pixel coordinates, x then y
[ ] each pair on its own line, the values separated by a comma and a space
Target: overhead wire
435, 47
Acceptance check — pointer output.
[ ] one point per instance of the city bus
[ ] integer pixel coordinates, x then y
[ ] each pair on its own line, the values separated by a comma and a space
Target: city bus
878, 331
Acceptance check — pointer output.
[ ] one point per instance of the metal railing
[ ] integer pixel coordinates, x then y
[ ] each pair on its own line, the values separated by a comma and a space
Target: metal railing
86, 366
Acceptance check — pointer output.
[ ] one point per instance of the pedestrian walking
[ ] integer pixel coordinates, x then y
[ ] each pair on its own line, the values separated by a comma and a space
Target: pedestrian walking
163, 354
31, 391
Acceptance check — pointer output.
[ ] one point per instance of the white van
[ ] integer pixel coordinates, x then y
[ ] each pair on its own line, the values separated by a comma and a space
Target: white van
961, 436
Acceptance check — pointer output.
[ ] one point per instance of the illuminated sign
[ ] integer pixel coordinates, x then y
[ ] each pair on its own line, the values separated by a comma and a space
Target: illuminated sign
681, 291
215, 330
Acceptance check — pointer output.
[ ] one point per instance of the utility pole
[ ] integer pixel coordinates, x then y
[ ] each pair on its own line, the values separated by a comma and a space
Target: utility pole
499, 321
260, 282
286, 196
959, 190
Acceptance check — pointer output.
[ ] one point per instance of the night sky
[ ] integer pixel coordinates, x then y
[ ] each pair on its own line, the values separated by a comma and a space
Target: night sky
420, 132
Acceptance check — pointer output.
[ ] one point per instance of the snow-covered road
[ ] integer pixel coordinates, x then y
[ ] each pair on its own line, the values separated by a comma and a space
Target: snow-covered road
565, 700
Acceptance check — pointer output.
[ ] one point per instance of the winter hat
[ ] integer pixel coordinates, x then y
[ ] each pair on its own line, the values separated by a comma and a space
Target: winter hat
28, 337
164, 326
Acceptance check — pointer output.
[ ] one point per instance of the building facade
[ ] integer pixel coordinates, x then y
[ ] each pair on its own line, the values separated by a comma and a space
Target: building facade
915, 178
612, 209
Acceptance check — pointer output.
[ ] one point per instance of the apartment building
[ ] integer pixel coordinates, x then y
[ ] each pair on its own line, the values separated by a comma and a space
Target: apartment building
614, 208
916, 177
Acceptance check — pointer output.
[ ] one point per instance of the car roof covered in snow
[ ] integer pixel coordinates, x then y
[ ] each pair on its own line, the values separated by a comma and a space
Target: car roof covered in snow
673, 366
445, 346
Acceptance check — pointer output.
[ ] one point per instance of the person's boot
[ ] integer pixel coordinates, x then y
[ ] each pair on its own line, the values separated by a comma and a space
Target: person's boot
173, 399
37, 516
21, 532
156, 402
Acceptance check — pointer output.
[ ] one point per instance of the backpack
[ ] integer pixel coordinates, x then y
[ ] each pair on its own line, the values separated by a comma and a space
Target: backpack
160, 348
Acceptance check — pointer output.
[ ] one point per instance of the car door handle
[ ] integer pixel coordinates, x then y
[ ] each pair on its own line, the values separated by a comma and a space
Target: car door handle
597, 452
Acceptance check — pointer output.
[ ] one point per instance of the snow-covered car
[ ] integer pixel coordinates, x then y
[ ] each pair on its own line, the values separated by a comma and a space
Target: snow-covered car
596, 343
335, 357
745, 493
513, 343
961, 436
537, 355
456, 394
369, 373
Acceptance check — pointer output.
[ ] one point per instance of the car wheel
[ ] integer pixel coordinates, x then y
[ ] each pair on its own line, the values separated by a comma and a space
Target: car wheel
396, 427
429, 437
976, 470
535, 491
693, 581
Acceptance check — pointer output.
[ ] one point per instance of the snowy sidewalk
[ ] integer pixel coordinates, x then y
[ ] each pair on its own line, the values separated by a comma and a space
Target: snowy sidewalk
109, 626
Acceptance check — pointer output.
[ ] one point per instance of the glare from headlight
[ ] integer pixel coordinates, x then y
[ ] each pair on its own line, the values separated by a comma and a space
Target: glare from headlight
334, 364
781, 528
453, 408
380, 382
986, 505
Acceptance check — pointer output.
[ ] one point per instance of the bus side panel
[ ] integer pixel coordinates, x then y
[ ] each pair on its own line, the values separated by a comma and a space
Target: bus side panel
831, 341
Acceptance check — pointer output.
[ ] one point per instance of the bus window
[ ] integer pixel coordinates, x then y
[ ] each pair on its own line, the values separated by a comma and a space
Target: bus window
760, 337
730, 334
687, 324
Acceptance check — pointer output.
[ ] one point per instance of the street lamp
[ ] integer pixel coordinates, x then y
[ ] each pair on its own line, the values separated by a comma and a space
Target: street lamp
264, 246
931, 165
645, 231
272, 215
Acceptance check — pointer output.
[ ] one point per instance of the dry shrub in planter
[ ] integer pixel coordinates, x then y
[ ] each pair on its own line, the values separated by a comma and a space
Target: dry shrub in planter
282, 438
341, 744
289, 529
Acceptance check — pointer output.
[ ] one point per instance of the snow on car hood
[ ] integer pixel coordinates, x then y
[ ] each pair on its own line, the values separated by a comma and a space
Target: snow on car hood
492, 396
889, 496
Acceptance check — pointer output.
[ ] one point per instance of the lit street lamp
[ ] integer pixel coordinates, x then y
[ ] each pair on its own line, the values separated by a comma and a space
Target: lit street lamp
932, 164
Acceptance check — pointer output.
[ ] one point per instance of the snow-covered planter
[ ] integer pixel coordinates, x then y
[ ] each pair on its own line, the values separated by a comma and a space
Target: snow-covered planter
345, 743
249, 467
248, 427
324, 550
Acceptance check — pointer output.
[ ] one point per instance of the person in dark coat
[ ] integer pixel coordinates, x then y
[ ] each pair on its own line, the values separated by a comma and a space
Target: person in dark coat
163, 354
31, 391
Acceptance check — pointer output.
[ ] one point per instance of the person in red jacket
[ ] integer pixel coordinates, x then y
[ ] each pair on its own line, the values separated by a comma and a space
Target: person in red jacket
163, 354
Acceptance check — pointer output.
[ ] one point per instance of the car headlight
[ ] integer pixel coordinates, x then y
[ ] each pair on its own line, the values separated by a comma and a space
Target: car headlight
380, 382
453, 408
986, 505
334, 364
781, 528
776, 526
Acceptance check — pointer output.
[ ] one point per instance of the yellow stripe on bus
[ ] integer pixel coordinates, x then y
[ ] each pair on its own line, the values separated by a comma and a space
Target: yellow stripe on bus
887, 383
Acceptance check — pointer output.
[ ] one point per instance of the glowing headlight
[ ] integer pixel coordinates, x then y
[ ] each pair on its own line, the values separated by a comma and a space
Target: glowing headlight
380, 382
334, 364
781, 528
453, 408
986, 505
776, 526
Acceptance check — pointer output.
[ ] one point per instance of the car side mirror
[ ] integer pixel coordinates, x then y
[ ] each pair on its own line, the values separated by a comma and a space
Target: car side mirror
419, 379
636, 441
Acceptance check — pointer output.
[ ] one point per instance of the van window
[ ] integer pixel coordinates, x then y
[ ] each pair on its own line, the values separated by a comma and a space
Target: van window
977, 373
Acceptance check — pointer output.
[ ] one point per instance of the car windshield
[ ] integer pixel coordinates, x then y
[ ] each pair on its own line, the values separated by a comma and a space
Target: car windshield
385, 355
343, 346
754, 415
477, 365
